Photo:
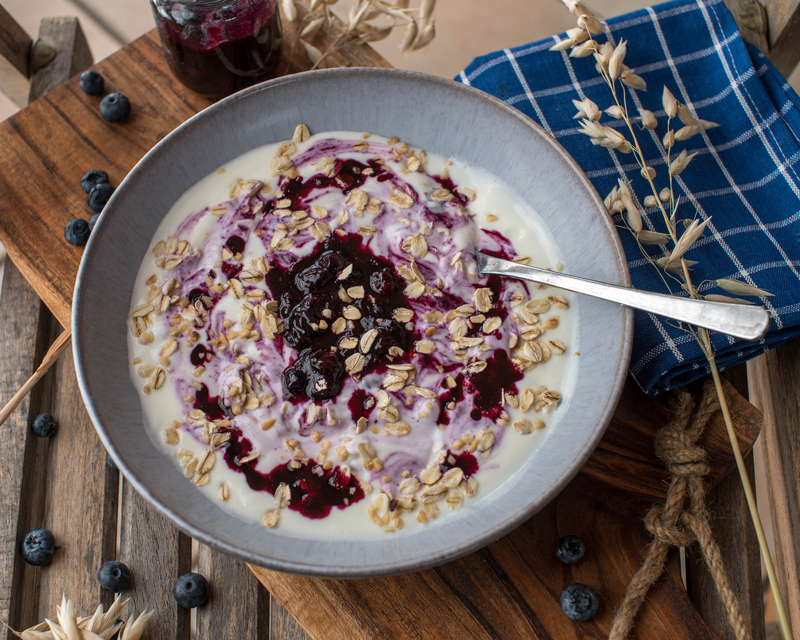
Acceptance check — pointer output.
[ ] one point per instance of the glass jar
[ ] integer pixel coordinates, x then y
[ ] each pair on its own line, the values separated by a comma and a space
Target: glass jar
217, 47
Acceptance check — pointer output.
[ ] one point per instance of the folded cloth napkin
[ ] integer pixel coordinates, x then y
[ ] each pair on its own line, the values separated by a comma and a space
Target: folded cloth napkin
744, 177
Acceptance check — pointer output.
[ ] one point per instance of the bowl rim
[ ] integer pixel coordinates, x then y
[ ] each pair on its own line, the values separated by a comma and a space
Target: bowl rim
430, 559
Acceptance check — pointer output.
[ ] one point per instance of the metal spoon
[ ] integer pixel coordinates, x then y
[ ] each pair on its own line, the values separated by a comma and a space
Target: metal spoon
739, 321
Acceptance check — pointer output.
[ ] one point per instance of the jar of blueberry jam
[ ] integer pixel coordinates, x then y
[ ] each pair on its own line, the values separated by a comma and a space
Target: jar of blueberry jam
217, 47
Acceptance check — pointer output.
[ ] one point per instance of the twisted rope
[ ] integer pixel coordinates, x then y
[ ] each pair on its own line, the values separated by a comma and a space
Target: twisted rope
683, 518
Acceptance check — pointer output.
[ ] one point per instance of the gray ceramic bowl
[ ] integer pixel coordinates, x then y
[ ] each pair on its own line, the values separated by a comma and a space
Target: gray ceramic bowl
427, 112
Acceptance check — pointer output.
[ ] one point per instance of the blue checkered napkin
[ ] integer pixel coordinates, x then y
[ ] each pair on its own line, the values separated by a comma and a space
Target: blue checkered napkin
745, 175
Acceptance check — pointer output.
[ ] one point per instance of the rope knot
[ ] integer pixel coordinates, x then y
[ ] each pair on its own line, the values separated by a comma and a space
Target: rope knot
688, 461
682, 519
670, 535
677, 447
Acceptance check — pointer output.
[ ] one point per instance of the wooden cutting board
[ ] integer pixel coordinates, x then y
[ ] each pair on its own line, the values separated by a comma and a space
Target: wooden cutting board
509, 589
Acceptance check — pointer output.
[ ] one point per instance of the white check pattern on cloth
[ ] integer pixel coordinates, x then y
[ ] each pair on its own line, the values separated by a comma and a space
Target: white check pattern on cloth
745, 176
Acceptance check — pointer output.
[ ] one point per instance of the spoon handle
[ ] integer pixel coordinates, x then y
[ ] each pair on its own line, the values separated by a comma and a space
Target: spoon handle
739, 321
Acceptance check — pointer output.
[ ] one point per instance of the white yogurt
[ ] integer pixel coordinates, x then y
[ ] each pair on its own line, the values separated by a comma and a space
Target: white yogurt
192, 219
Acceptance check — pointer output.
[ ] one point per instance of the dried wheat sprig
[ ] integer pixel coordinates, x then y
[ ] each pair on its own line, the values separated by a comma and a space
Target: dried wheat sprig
419, 31
610, 65
53, 354
99, 626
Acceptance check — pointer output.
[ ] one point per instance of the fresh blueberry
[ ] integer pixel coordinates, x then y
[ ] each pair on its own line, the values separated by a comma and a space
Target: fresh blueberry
114, 576
45, 425
190, 590
77, 232
580, 602
38, 547
110, 462
115, 107
92, 179
98, 196
570, 549
92, 83
93, 221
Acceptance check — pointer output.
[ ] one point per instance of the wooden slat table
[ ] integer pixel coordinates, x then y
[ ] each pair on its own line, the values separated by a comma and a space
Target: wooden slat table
65, 484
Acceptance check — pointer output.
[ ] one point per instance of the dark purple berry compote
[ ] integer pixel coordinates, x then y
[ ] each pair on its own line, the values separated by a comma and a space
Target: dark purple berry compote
320, 338
217, 47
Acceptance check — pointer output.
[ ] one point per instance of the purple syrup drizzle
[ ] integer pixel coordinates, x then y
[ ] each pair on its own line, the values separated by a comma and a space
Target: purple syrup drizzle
313, 490
357, 404
198, 355
464, 461
235, 244
197, 294
448, 184
210, 405
488, 385
231, 269
456, 394
346, 176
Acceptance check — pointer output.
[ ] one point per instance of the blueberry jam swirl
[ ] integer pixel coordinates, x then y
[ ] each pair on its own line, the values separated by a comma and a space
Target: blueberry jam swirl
319, 337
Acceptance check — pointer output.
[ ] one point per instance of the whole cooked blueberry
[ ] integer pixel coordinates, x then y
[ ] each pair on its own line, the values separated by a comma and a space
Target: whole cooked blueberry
333, 261
98, 196
324, 371
294, 382
302, 323
92, 83
115, 107
110, 462
313, 278
317, 374
580, 602
45, 425
390, 334
38, 547
383, 281
114, 576
92, 178
93, 221
570, 549
190, 590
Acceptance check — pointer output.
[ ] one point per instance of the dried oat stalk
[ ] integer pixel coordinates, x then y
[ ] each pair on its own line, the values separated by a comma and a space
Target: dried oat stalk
682, 234
99, 625
368, 21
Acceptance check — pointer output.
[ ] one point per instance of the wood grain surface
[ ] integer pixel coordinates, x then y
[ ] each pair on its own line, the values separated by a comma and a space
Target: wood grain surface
23, 341
282, 626
736, 537
81, 505
237, 601
72, 54
774, 381
510, 589
51, 468
157, 553
778, 39
15, 43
